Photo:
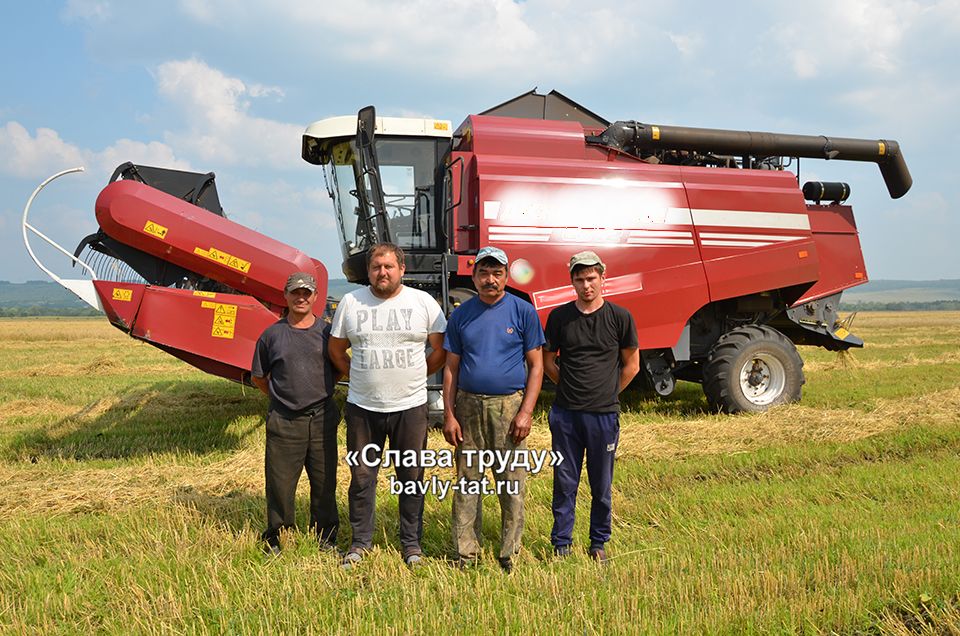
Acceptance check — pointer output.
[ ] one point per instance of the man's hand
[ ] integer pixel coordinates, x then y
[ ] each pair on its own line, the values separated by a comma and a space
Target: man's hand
452, 431
520, 426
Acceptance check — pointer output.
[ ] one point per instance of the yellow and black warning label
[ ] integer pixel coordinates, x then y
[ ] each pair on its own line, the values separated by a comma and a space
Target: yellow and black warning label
119, 293
205, 294
219, 256
222, 332
155, 229
224, 319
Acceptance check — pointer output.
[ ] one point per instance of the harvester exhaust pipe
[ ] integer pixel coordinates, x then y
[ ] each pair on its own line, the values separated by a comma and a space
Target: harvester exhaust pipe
635, 137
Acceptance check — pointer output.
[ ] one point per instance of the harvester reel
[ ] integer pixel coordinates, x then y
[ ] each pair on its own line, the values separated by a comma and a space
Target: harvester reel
751, 369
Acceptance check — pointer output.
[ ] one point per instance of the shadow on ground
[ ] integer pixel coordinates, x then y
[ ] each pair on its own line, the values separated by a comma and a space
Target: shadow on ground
193, 417
687, 400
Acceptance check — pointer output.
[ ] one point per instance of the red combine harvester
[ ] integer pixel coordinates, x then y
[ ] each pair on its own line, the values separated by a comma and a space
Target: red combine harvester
708, 238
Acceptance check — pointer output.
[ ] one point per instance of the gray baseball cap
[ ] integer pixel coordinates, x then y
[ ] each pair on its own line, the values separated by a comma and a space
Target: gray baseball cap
492, 252
300, 280
587, 258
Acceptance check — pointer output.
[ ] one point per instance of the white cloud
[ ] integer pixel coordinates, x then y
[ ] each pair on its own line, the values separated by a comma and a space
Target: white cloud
532, 40
23, 155
87, 10
219, 127
44, 153
688, 44
857, 35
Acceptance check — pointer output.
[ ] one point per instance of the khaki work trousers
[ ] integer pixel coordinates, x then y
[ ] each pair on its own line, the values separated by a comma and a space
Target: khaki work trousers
485, 422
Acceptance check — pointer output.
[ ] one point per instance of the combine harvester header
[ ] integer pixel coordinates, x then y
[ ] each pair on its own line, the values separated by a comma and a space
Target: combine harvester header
168, 268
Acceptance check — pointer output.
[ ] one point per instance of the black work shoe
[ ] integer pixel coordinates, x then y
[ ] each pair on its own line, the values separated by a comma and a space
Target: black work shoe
351, 558
326, 546
598, 554
561, 551
271, 547
465, 563
506, 564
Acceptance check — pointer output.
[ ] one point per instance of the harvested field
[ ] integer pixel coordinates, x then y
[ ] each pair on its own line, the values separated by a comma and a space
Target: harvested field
133, 502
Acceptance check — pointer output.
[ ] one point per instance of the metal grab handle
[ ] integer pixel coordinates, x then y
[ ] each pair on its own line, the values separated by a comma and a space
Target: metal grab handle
26, 226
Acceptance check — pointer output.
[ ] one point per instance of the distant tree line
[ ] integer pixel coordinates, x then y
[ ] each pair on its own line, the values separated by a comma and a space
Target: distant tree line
931, 305
29, 311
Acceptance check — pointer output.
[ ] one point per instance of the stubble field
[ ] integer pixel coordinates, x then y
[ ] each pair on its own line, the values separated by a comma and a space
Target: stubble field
132, 502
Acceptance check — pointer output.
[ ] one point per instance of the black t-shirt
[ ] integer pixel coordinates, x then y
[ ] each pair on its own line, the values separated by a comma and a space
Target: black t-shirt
589, 346
296, 360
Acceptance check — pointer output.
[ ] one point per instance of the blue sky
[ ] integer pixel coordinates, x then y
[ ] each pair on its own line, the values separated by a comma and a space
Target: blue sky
212, 85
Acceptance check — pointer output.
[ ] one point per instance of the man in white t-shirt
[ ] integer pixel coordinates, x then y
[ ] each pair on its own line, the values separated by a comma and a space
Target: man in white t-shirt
386, 326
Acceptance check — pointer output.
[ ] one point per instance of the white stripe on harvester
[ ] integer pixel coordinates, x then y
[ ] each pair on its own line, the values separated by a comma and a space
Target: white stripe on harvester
749, 237
746, 218
735, 243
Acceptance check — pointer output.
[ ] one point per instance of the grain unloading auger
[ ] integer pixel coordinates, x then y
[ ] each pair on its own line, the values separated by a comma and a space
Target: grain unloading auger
168, 268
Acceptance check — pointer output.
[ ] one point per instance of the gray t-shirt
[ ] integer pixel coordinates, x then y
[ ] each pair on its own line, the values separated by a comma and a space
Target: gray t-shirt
296, 361
388, 367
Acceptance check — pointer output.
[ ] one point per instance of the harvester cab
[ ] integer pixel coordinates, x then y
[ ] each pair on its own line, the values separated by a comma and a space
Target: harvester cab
382, 174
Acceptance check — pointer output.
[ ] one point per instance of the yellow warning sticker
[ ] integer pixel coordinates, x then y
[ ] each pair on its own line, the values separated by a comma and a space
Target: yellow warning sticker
222, 332
219, 256
205, 294
119, 293
656, 133
841, 333
224, 319
883, 148
441, 125
155, 229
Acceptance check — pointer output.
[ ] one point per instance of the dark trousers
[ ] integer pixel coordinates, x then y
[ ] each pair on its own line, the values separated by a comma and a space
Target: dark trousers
407, 430
307, 441
575, 433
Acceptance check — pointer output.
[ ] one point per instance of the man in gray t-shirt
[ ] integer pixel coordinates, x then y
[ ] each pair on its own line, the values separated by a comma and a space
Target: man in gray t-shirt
387, 327
291, 366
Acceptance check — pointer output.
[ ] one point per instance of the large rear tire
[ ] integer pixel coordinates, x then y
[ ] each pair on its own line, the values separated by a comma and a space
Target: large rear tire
751, 369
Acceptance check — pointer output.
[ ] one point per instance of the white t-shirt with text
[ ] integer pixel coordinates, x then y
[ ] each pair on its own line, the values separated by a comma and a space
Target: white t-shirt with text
388, 367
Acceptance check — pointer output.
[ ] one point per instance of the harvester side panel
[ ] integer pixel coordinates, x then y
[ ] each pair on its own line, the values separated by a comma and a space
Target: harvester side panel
217, 333
838, 243
542, 209
752, 229
211, 246
120, 301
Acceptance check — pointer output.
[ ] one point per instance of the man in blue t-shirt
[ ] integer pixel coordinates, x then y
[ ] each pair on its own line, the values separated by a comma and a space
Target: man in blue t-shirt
491, 382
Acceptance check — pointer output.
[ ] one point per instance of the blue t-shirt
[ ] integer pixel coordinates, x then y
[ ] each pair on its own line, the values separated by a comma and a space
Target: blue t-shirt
491, 341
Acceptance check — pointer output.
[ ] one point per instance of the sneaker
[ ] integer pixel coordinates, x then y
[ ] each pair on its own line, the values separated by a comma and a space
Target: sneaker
598, 554
414, 560
506, 564
350, 559
561, 551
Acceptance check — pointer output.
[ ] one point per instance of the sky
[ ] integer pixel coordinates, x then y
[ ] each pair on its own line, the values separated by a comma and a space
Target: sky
228, 87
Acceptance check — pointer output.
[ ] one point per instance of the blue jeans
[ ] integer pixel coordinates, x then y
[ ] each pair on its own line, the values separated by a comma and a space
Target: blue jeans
574, 434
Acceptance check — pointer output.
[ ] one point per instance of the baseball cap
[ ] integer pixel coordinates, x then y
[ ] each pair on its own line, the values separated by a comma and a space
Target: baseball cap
492, 252
300, 280
586, 258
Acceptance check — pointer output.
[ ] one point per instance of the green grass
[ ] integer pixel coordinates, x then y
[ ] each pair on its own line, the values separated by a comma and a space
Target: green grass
133, 502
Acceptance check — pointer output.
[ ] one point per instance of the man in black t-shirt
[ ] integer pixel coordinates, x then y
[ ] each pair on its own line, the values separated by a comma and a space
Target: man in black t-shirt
592, 355
291, 366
